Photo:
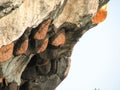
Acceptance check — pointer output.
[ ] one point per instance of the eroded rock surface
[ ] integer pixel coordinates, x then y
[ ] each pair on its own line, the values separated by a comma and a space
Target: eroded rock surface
29, 14
37, 38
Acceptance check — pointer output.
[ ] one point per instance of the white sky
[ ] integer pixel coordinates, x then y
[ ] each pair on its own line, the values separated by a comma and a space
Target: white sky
96, 57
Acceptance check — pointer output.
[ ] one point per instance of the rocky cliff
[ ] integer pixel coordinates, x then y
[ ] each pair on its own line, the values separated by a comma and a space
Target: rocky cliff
37, 38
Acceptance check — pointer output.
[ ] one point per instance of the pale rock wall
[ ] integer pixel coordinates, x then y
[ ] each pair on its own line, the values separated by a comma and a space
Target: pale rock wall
29, 14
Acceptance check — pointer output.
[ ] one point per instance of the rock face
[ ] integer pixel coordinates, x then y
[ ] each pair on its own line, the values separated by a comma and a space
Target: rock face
25, 13
37, 38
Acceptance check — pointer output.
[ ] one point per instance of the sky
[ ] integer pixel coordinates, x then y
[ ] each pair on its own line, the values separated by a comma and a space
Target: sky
96, 57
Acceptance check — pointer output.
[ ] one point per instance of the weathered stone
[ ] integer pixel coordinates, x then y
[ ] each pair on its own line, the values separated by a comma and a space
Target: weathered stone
44, 33
44, 67
75, 10
6, 52
44, 62
10, 2
29, 14
1, 73
7, 6
5, 81
68, 67
13, 86
13, 68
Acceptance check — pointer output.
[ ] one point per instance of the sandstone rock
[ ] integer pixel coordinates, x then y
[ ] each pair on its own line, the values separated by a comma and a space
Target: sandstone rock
29, 14
68, 67
75, 10
43, 68
13, 86
7, 6
42, 34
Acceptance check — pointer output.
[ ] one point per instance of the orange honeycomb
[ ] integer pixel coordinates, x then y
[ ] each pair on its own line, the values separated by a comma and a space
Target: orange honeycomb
100, 15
